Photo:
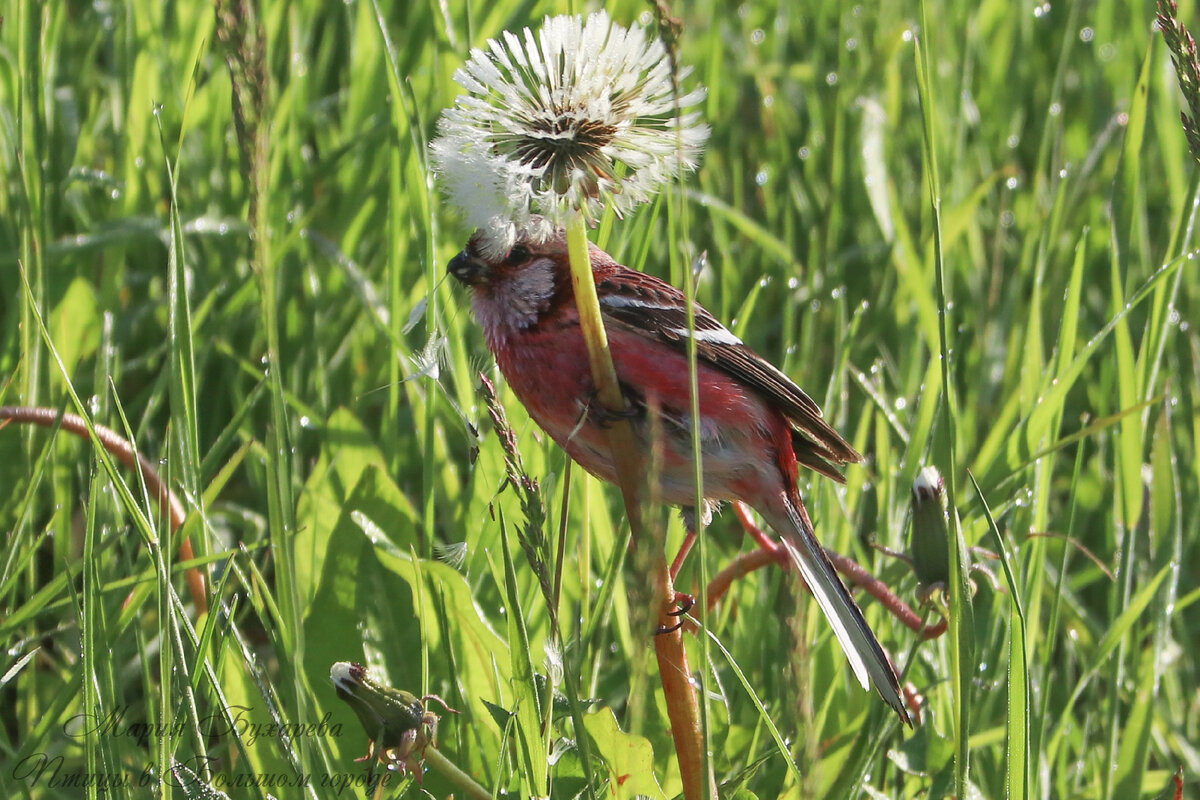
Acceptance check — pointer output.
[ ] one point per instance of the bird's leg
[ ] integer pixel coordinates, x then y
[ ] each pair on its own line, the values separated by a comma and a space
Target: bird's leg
682, 600
681, 556
757, 533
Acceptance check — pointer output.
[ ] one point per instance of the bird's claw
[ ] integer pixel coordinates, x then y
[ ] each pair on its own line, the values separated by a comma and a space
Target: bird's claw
604, 416
685, 603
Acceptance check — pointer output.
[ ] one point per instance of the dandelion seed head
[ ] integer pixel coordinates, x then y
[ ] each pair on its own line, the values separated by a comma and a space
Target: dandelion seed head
576, 117
453, 553
554, 662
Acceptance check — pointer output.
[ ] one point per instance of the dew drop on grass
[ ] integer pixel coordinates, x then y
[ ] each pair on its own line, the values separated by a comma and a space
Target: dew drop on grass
1042, 10
831, 79
1012, 183
1055, 109
852, 44
1013, 141
803, 153
794, 283
901, 403
761, 177
757, 36
1086, 34
764, 281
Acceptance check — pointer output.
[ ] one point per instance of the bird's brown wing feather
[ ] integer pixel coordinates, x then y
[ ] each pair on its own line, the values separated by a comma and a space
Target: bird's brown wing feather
652, 307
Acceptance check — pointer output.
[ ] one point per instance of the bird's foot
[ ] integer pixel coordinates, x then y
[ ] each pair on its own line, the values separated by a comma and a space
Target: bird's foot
605, 417
684, 603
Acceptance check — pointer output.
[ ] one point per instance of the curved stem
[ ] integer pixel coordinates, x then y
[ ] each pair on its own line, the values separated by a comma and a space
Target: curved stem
436, 761
770, 553
124, 452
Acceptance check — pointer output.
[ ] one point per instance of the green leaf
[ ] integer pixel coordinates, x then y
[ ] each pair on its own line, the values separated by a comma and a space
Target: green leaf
1017, 763
630, 758
74, 325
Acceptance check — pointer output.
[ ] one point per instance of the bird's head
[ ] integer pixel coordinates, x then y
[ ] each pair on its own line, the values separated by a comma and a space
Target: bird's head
514, 281
483, 263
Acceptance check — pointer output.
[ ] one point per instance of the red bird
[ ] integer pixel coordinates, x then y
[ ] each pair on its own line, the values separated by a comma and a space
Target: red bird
756, 426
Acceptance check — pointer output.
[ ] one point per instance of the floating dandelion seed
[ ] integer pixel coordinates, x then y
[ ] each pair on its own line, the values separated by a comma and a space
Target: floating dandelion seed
575, 118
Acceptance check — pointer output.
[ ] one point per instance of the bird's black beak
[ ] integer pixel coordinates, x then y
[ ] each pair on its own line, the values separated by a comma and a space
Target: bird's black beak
467, 268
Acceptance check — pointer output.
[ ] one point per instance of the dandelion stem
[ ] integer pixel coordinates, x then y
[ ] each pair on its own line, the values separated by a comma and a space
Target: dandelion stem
624, 448
450, 771
682, 704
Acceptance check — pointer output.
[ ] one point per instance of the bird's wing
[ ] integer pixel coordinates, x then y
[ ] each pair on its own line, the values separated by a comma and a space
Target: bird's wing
648, 306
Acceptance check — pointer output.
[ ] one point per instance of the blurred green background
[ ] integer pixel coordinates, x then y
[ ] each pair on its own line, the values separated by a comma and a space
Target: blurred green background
351, 502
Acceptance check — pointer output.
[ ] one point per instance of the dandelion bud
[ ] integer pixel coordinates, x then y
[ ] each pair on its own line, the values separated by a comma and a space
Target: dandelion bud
930, 545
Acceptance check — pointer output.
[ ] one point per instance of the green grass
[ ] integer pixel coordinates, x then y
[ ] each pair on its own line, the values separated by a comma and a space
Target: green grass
325, 490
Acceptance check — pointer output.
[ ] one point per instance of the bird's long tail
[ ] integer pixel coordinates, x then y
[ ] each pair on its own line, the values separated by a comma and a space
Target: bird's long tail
870, 664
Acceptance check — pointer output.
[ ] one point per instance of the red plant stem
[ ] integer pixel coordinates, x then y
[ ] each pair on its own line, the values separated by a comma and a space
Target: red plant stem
123, 451
682, 708
769, 552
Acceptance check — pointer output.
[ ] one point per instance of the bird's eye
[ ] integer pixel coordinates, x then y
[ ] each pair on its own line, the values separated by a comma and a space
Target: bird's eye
518, 255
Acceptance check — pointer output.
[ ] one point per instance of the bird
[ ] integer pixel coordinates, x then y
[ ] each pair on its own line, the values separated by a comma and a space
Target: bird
757, 427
